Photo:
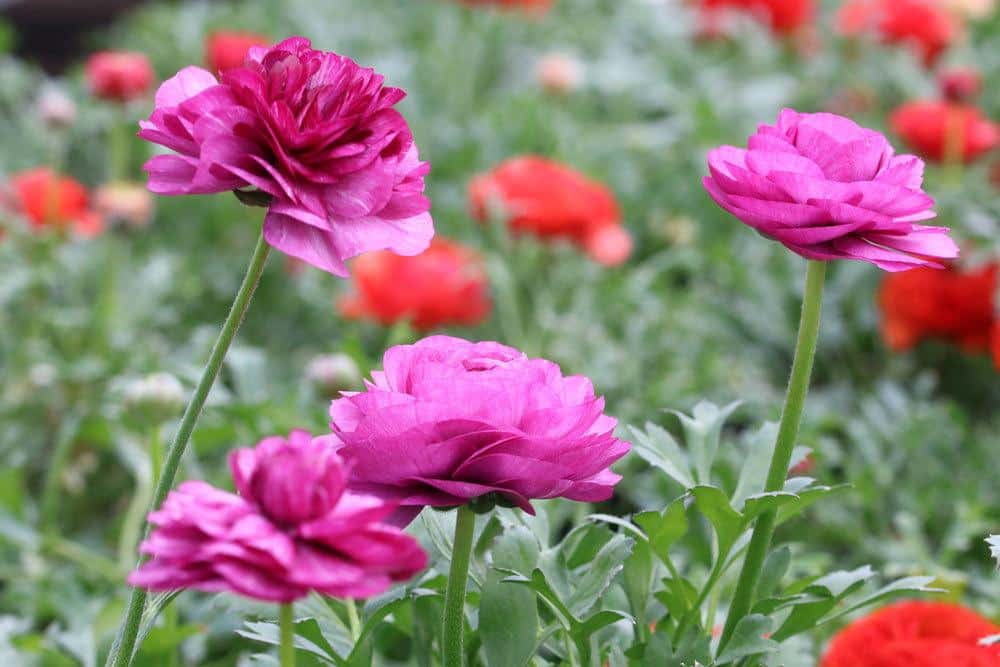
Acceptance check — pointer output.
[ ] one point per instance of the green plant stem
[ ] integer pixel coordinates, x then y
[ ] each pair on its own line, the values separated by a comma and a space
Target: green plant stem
788, 431
352, 619
454, 598
119, 145
65, 437
124, 647
286, 651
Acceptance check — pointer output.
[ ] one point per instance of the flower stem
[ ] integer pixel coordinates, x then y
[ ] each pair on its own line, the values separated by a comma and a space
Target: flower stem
788, 431
454, 598
286, 651
124, 647
353, 620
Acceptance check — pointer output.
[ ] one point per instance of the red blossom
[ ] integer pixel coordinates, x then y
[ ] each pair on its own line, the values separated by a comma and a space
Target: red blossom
120, 76
550, 200
446, 284
935, 129
924, 24
49, 201
954, 305
225, 50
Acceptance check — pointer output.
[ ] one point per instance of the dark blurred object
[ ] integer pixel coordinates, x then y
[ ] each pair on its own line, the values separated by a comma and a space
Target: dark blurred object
51, 32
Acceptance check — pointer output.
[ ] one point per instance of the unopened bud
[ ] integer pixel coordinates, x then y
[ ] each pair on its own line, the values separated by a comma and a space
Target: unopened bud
331, 374
56, 109
122, 202
159, 394
559, 73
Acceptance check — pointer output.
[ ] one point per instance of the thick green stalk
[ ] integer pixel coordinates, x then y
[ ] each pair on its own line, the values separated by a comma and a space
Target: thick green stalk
286, 651
454, 598
124, 646
788, 431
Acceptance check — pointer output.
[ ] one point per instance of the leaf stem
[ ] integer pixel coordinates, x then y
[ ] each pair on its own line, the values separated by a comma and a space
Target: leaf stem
286, 651
124, 647
454, 600
788, 431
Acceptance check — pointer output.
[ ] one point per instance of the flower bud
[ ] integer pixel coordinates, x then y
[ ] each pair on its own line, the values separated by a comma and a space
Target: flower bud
157, 394
55, 108
960, 84
559, 73
331, 374
123, 202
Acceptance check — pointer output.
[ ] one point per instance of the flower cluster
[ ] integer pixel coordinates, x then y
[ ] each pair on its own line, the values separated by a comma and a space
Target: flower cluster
915, 634
313, 132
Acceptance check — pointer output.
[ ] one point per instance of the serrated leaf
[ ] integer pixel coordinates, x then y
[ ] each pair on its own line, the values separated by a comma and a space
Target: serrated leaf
753, 474
748, 639
596, 578
659, 449
637, 578
701, 435
714, 504
663, 530
760, 503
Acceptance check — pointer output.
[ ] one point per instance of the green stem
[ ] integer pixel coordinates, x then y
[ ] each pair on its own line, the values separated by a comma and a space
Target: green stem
788, 431
52, 489
124, 647
119, 145
286, 651
352, 619
454, 598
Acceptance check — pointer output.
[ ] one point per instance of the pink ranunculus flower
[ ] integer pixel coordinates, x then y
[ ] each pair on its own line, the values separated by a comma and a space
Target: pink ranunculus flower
311, 130
292, 529
448, 421
828, 188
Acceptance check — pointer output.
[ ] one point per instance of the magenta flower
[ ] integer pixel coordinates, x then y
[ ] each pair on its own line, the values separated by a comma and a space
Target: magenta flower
828, 188
449, 420
292, 529
313, 132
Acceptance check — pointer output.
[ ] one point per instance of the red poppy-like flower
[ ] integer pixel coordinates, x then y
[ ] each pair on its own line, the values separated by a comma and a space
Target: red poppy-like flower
952, 304
915, 634
531, 6
225, 50
550, 200
924, 24
446, 284
936, 129
119, 76
56, 202
995, 345
783, 16
960, 84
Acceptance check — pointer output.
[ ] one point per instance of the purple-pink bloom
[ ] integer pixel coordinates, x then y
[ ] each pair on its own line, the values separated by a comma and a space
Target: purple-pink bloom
312, 130
292, 529
449, 420
828, 188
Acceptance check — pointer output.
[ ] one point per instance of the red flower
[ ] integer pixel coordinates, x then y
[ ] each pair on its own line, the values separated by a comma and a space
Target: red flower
49, 201
952, 304
783, 16
960, 84
929, 127
550, 200
226, 50
446, 284
915, 634
995, 345
924, 24
120, 76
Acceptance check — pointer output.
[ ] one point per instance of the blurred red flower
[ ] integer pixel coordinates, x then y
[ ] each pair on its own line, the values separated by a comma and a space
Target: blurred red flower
54, 202
929, 126
951, 304
550, 200
915, 634
926, 25
446, 284
995, 345
225, 50
960, 84
783, 16
119, 76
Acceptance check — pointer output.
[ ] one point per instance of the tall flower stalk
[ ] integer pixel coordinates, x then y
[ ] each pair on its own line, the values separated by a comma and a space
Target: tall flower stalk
124, 647
453, 632
791, 417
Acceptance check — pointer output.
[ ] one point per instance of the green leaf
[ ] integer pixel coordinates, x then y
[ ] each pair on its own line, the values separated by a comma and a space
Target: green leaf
775, 566
993, 541
638, 579
714, 504
268, 633
677, 601
753, 474
659, 449
596, 578
904, 585
598, 620
760, 503
701, 435
508, 622
540, 585
748, 639
663, 530
807, 497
